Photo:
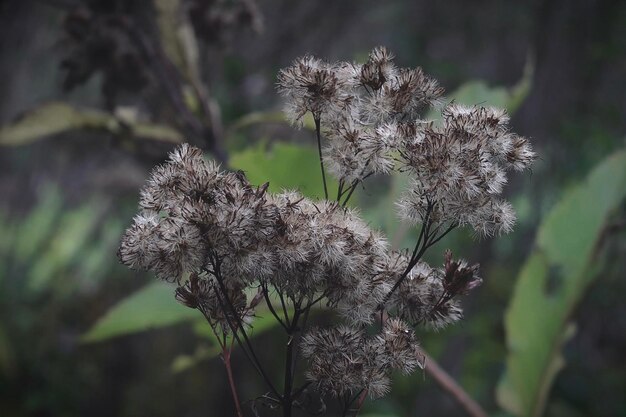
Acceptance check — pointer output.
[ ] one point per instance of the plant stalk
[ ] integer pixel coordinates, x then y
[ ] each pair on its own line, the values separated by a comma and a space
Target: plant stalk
448, 384
319, 149
226, 355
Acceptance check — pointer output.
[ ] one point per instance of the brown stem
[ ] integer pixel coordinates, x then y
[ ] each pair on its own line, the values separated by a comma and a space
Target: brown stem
226, 355
287, 392
448, 384
352, 188
226, 351
360, 402
237, 326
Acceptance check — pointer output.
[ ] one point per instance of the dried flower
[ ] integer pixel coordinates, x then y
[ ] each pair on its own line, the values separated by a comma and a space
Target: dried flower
343, 362
371, 115
311, 85
459, 278
217, 235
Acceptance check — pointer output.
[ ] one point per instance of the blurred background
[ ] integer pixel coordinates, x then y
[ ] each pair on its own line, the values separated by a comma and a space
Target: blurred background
95, 93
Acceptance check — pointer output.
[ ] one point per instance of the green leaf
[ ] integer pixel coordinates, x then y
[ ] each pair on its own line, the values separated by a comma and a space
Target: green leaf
151, 307
285, 166
551, 284
54, 118
478, 92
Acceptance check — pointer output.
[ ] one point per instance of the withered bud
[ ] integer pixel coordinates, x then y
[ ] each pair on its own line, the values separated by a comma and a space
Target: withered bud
459, 278
195, 293
375, 72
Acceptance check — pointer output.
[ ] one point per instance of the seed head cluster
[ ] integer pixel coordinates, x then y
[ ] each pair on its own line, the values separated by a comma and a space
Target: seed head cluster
197, 220
219, 237
344, 360
371, 116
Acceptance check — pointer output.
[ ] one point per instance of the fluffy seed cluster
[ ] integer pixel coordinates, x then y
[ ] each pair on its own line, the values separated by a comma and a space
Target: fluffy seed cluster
371, 116
427, 295
217, 235
356, 104
345, 361
458, 169
197, 220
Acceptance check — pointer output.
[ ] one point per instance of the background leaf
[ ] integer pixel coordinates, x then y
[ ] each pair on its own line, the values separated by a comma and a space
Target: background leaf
285, 166
151, 307
552, 282
54, 118
478, 92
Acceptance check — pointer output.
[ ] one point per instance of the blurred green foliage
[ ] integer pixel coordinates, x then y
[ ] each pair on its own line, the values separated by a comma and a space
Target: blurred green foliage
150, 307
553, 280
48, 257
53, 242
55, 118
285, 166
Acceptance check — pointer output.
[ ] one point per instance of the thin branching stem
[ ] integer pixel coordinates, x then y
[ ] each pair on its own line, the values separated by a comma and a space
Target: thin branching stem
238, 325
248, 352
318, 133
300, 329
284, 306
226, 355
354, 186
268, 301
340, 190
441, 236
289, 365
425, 240
360, 402
418, 251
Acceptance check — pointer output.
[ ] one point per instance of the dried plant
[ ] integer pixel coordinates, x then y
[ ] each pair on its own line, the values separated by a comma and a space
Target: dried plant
216, 235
